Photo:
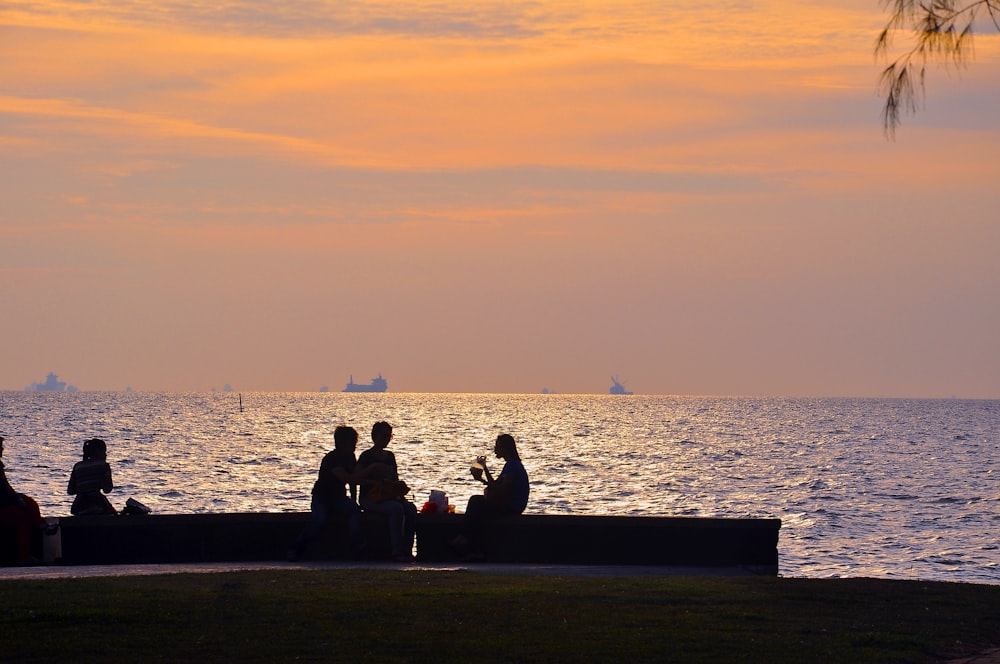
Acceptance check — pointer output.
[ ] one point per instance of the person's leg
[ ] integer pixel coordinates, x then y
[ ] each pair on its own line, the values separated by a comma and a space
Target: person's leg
474, 521
13, 519
397, 516
352, 513
320, 514
29, 521
394, 510
478, 514
409, 526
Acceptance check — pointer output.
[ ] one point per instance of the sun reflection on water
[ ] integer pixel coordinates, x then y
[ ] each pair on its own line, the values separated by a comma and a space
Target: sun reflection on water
890, 488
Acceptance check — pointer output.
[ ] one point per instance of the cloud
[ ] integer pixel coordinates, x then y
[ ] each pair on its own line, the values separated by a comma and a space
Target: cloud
111, 121
706, 178
687, 30
299, 19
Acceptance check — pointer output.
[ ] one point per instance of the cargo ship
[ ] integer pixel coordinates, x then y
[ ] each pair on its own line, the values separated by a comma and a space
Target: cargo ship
377, 385
51, 384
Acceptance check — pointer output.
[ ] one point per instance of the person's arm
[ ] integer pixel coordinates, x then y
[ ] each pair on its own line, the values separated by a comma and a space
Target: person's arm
363, 474
360, 475
486, 477
392, 470
107, 484
342, 475
498, 490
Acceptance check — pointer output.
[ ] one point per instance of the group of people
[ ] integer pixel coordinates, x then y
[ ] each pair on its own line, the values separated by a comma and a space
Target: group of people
348, 485
20, 513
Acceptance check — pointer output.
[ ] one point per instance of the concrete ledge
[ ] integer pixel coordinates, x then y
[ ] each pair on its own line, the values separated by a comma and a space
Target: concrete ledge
750, 544
184, 538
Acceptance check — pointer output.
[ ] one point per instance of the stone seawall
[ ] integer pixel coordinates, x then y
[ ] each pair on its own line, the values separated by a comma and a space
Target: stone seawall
532, 538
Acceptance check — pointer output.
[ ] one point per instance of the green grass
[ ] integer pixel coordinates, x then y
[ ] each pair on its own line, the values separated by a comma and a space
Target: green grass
430, 616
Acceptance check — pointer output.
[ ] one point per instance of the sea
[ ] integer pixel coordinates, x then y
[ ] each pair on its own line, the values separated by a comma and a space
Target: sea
887, 488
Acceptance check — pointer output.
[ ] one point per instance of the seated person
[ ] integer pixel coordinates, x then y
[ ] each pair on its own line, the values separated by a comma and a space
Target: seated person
21, 513
89, 478
504, 496
382, 492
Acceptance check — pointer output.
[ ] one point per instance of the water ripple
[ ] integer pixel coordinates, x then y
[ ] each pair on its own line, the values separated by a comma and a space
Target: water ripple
864, 487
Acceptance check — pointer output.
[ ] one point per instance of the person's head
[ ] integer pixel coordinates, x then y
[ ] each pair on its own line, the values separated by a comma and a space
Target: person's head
505, 447
95, 448
345, 438
381, 433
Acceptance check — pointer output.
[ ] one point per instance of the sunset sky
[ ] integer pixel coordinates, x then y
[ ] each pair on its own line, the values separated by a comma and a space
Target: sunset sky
491, 197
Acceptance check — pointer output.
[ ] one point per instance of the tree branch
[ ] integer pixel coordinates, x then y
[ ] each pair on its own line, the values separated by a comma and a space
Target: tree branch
942, 31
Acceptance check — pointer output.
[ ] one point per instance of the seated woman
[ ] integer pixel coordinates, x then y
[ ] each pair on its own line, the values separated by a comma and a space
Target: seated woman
89, 478
506, 495
19, 512
383, 492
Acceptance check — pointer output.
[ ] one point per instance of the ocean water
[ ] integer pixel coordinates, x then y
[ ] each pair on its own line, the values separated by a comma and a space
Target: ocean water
864, 487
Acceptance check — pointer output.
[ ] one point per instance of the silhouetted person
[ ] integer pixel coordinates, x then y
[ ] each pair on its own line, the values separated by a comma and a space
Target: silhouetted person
506, 495
334, 494
89, 479
382, 492
19, 512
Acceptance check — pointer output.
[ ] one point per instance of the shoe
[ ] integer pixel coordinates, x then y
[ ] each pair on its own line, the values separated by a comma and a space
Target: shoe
402, 558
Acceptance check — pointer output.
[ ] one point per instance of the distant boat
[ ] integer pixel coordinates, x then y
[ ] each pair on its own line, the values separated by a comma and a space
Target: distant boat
377, 385
617, 388
51, 384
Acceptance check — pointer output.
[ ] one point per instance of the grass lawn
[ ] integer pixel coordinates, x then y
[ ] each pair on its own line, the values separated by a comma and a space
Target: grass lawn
436, 616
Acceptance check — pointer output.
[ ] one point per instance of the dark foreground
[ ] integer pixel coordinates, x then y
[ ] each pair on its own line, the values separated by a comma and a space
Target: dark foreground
398, 615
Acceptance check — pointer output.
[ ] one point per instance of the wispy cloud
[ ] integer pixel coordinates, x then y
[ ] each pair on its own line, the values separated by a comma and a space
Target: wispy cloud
299, 19
111, 122
769, 29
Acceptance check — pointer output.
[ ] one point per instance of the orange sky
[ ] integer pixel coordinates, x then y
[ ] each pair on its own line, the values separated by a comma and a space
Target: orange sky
491, 197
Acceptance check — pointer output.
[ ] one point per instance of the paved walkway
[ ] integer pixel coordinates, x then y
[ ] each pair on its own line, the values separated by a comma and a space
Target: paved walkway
78, 571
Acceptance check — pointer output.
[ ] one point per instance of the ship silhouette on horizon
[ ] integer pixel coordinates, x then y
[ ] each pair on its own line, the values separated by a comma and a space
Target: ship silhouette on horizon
51, 384
377, 385
617, 387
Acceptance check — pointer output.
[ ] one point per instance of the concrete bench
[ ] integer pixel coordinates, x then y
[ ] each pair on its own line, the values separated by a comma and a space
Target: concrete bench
185, 538
748, 544
42, 546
